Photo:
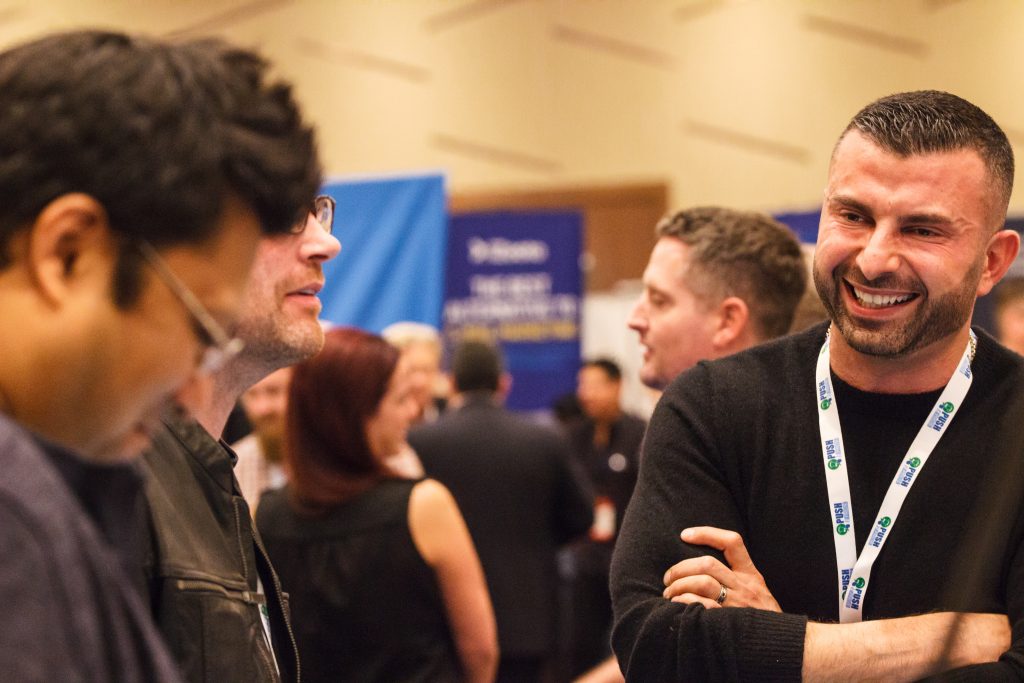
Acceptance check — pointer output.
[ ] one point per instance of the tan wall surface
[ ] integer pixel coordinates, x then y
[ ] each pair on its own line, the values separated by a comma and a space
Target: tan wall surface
729, 101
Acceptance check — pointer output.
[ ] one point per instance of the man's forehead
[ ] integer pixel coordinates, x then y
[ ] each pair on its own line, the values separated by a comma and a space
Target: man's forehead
670, 268
855, 144
670, 254
861, 167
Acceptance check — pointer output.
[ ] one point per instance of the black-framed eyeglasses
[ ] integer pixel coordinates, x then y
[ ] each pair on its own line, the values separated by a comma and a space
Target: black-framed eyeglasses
322, 209
219, 346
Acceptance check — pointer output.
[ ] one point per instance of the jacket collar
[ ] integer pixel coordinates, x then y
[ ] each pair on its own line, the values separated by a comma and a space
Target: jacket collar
212, 455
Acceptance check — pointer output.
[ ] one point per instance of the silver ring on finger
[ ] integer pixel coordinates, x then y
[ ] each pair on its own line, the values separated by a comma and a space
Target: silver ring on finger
722, 594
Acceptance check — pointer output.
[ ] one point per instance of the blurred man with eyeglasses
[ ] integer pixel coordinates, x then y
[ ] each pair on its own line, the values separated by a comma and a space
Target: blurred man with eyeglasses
208, 578
137, 178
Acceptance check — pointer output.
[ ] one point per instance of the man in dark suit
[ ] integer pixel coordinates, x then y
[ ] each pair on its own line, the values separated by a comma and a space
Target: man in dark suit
606, 444
514, 484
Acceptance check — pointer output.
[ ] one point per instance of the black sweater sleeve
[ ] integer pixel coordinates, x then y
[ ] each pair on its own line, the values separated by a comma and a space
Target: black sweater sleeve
686, 480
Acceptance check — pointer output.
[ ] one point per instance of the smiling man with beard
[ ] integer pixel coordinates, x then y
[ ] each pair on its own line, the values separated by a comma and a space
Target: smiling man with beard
213, 591
831, 476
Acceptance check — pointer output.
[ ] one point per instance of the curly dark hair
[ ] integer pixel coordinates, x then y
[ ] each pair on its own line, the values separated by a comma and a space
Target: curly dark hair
159, 134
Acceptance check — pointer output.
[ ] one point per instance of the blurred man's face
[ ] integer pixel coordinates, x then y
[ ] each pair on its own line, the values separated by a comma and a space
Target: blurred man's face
598, 394
1010, 323
422, 363
265, 404
280, 322
675, 326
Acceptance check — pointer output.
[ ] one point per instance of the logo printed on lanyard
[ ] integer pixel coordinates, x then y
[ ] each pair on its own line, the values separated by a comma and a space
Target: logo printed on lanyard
843, 520
853, 572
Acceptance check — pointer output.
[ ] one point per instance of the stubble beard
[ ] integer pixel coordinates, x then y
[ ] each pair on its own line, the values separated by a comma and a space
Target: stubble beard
935, 319
273, 344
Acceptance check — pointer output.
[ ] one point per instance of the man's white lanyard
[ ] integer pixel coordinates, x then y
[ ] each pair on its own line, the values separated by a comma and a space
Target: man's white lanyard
855, 572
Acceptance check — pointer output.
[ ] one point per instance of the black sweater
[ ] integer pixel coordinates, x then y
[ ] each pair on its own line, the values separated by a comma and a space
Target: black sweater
735, 444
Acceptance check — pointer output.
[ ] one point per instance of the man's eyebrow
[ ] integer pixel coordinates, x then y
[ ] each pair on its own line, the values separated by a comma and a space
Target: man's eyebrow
860, 207
849, 202
926, 218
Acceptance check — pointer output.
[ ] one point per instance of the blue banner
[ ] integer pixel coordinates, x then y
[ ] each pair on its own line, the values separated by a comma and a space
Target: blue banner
804, 224
514, 279
391, 266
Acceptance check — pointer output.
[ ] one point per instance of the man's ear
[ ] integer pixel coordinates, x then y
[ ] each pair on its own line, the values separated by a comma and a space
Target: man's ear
999, 255
68, 227
732, 316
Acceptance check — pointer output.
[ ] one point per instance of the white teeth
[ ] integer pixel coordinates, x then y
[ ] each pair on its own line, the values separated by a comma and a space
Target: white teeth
879, 301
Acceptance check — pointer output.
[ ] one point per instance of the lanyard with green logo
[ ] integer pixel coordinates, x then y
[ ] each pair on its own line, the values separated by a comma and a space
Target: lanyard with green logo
854, 572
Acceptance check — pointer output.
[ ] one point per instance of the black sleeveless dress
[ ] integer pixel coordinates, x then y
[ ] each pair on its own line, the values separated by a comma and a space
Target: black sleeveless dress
365, 606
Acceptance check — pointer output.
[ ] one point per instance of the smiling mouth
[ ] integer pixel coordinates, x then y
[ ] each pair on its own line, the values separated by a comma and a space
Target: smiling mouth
868, 300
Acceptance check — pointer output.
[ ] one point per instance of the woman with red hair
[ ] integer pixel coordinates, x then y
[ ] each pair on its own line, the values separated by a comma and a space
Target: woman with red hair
384, 581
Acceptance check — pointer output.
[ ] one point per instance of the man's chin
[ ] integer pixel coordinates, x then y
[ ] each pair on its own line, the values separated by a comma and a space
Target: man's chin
281, 352
306, 340
652, 379
878, 339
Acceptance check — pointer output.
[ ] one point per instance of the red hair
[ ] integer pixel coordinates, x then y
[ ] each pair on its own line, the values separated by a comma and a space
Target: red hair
331, 397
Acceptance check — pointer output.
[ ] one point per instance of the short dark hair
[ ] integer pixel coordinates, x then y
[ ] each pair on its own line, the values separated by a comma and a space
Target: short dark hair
744, 254
159, 134
476, 366
330, 399
611, 369
928, 121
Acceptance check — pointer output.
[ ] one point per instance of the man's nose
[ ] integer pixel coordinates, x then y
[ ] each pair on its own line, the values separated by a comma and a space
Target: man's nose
637, 316
317, 243
880, 255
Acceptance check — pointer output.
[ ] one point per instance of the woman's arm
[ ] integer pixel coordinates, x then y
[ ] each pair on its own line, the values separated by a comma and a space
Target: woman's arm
441, 537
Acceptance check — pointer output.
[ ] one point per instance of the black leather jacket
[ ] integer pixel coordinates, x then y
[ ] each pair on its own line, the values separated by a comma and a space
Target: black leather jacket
203, 561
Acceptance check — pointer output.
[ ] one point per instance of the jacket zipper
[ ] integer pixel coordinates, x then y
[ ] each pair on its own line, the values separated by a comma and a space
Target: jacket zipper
250, 597
258, 542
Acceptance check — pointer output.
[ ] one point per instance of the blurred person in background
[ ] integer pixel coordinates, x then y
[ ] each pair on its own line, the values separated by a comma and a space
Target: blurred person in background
606, 445
381, 569
260, 464
1009, 314
566, 411
718, 281
420, 348
522, 499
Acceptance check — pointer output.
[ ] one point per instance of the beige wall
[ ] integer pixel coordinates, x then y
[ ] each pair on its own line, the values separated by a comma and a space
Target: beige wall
732, 101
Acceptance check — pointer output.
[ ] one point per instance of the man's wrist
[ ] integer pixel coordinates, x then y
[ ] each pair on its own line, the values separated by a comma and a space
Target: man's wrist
907, 648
